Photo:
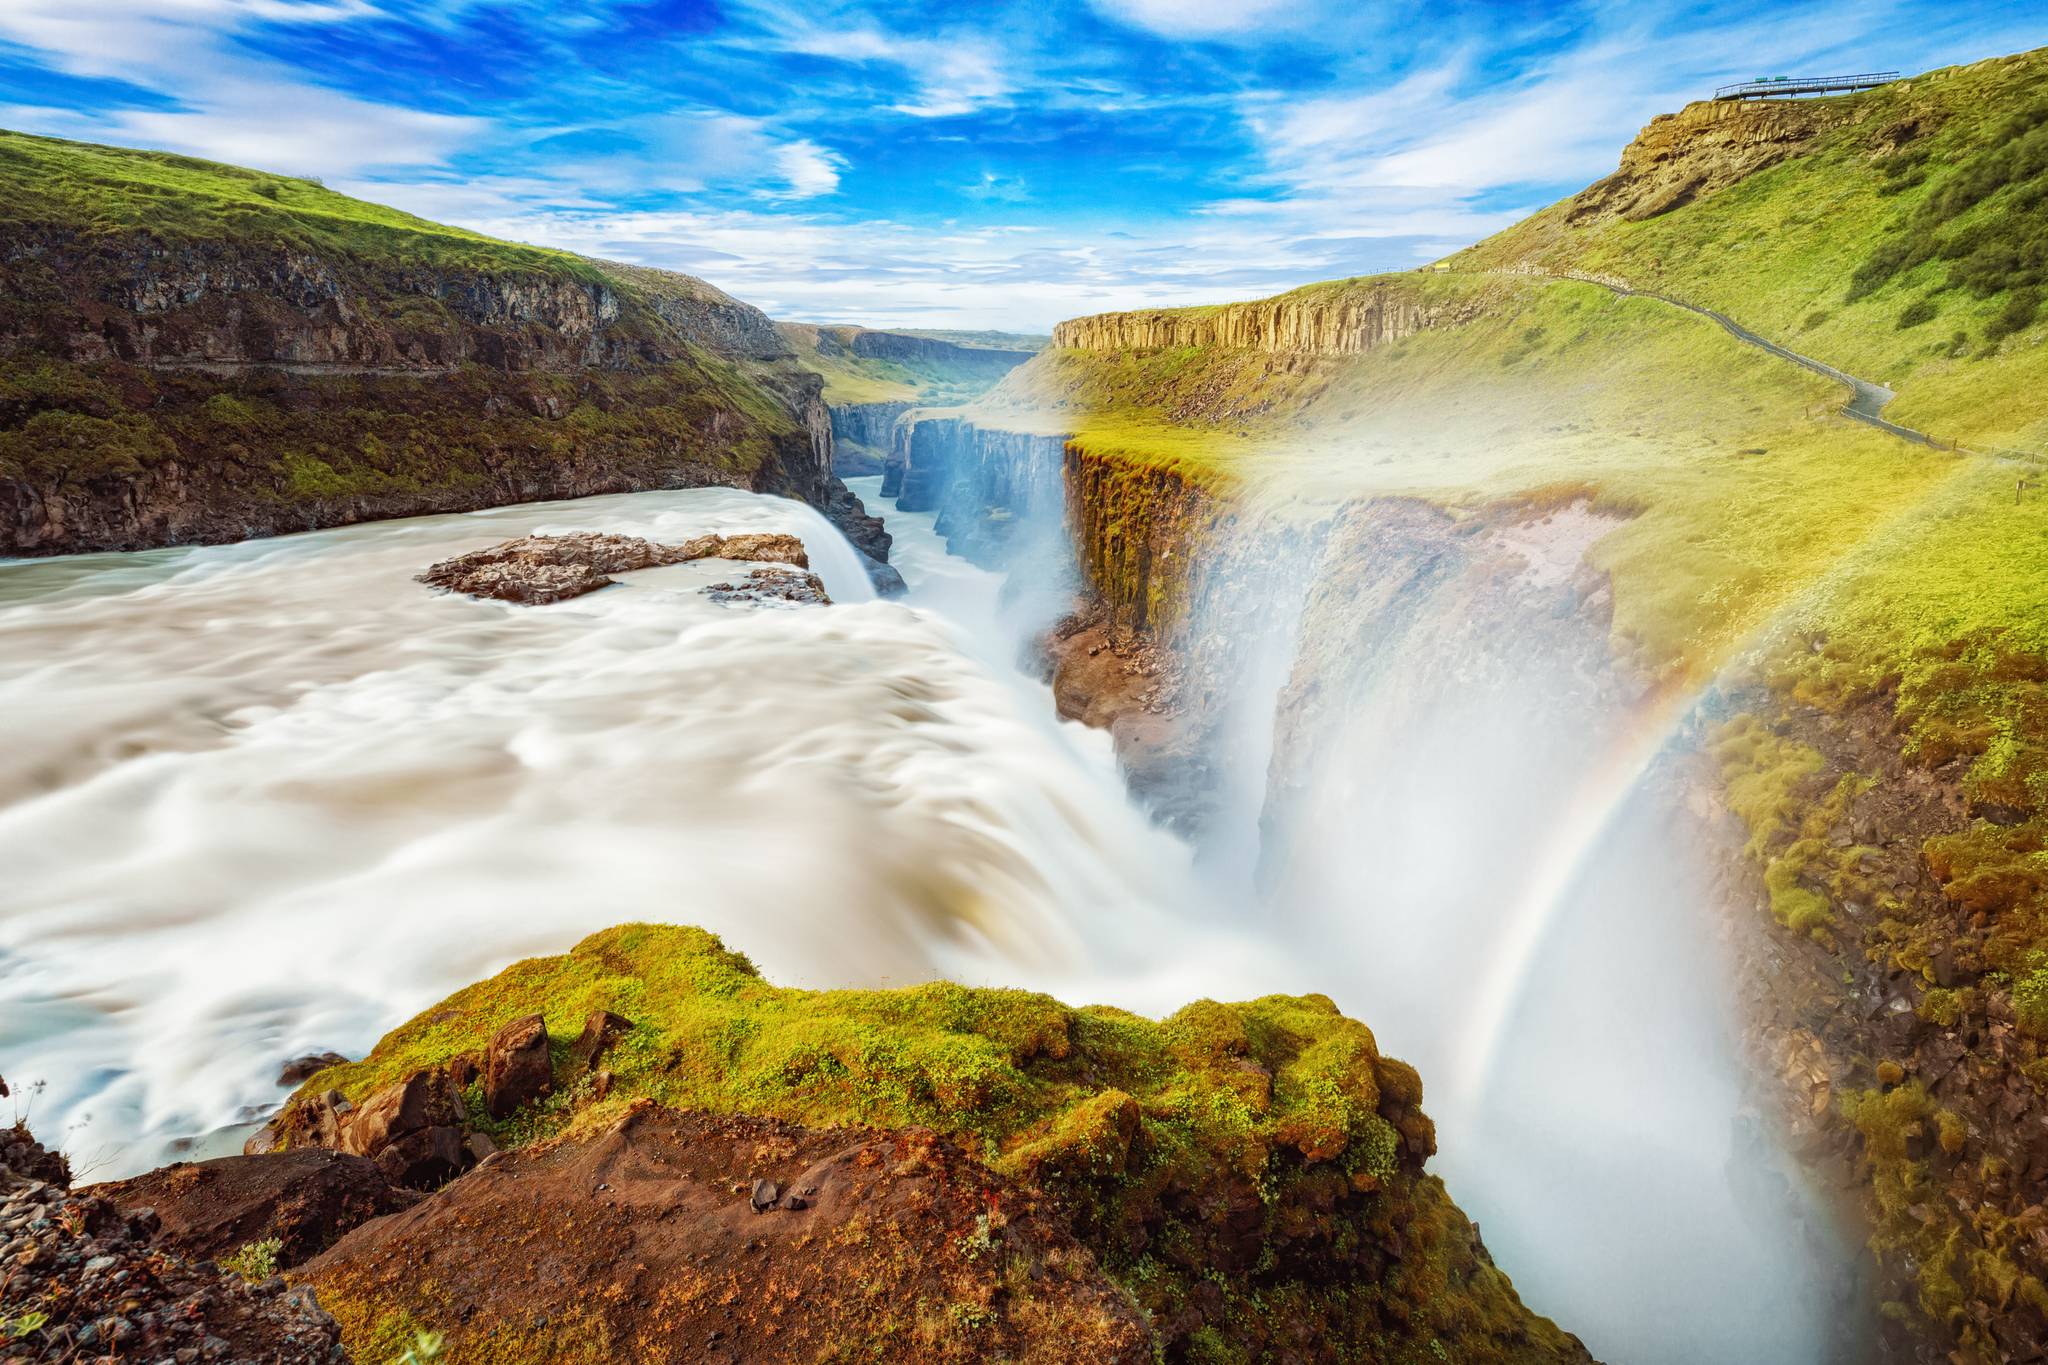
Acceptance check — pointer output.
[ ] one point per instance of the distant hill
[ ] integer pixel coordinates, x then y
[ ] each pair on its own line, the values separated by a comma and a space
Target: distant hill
862, 365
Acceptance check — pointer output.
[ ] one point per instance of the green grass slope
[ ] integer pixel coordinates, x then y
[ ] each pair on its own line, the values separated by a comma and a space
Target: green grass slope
1902, 237
1881, 606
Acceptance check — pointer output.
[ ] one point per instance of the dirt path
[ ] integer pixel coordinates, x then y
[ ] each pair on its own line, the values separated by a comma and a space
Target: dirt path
1867, 400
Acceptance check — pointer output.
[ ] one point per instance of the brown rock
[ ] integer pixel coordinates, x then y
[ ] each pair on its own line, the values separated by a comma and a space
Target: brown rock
535, 570
301, 1069
517, 1067
599, 1031
666, 1255
306, 1198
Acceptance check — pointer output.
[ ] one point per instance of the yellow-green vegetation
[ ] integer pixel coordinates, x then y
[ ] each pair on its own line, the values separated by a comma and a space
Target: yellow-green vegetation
1792, 806
109, 190
1761, 538
1906, 243
1279, 1111
254, 1261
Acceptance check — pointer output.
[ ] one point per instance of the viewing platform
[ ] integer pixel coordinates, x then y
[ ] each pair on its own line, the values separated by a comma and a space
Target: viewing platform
1765, 87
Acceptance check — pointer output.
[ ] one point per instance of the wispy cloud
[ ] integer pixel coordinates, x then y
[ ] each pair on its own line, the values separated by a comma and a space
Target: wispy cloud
916, 162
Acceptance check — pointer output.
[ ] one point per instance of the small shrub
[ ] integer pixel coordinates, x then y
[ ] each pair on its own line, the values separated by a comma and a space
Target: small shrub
425, 1350
1918, 311
255, 1261
2018, 314
1815, 319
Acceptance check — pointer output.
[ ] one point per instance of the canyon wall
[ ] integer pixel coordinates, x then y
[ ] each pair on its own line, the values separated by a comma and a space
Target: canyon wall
162, 391
862, 434
1346, 321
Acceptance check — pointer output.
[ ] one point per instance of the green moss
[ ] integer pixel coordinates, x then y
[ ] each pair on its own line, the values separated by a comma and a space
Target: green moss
111, 190
1136, 1126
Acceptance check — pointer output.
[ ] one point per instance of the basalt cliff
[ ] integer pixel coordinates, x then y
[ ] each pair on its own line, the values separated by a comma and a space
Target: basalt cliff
195, 352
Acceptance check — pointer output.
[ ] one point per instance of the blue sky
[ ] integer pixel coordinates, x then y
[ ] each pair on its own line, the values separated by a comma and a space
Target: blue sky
944, 164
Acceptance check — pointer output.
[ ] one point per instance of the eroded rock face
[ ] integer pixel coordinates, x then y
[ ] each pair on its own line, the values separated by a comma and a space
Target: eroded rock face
305, 1198
414, 1131
1707, 146
517, 1070
536, 570
1349, 324
707, 1238
99, 1286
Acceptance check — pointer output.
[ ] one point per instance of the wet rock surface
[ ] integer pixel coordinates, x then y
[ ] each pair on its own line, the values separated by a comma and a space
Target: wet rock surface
678, 1236
772, 585
304, 1199
535, 570
84, 1279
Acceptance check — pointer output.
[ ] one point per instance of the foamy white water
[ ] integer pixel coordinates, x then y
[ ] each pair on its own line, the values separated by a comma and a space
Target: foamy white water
275, 797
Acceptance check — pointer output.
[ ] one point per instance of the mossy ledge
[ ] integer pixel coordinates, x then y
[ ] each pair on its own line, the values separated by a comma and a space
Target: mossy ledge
1252, 1174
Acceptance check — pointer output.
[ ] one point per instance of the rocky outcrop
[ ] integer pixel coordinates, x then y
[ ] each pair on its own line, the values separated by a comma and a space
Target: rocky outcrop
416, 1131
1244, 1181
85, 1280
517, 1067
535, 570
1707, 146
862, 434
676, 1236
773, 585
303, 1200
1347, 321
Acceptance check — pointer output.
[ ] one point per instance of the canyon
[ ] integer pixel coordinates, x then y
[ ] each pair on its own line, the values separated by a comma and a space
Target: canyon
1649, 753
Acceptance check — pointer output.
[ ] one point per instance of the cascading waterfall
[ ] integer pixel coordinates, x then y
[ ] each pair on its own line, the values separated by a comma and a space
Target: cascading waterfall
1467, 818
275, 797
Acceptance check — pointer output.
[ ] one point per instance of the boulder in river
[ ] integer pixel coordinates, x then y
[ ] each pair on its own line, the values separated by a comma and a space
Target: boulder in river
772, 585
536, 570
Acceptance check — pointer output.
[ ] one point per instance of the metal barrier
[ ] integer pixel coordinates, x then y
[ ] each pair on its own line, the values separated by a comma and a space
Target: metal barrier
1763, 87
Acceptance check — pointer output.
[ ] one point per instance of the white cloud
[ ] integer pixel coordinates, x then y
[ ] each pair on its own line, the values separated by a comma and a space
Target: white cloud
948, 75
1195, 18
233, 108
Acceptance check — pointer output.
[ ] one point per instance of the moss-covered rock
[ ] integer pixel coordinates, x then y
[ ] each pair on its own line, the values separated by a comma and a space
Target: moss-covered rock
1252, 1173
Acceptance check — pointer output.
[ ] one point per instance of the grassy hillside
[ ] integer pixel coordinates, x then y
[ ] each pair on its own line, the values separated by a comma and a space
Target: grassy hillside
1904, 239
193, 351
47, 182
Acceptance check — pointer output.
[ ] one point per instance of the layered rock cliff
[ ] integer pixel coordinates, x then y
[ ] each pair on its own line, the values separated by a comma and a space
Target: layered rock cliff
166, 381
862, 434
1320, 321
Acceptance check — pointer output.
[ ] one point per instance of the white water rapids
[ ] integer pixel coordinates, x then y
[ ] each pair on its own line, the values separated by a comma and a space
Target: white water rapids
272, 798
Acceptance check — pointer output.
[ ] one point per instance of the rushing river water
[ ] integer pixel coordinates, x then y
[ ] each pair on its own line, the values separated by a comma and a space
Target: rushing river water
275, 797
272, 798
